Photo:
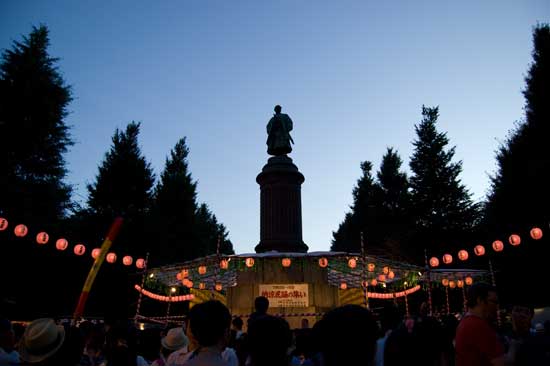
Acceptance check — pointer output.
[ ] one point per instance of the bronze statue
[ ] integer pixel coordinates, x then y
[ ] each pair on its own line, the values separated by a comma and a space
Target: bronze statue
278, 131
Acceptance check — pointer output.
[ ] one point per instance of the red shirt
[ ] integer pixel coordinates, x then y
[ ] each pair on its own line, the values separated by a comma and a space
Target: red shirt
476, 342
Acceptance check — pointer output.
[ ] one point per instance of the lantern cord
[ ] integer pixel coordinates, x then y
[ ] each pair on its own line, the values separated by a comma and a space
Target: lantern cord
138, 306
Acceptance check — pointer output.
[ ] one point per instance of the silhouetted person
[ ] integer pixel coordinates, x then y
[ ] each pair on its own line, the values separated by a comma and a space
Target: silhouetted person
269, 340
261, 304
278, 131
42, 343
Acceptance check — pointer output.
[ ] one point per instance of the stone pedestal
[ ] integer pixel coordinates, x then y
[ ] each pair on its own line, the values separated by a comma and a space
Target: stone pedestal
280, 207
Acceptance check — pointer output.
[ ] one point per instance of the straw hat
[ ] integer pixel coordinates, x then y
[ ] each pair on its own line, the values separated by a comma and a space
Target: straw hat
174, 339
41, 339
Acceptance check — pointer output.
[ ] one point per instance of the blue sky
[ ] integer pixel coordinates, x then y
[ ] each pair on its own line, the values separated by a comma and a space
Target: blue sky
353, 76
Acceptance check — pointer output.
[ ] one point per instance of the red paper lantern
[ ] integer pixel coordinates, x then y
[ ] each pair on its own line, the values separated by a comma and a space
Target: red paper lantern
61, 244
445, 282
127, 260
218, 286
111, 257
382, 278
202, 270
20, 230
189, 283
249, 262
462, 255
468, 280
202, 286
352, 263
178, 276
79, 249
447, 259
140, 263
224, 264
373, 282
184, 273
460, 283
3, 224
452, 284
343, 286
391, 275
96, 252
514, 239
42, 238
185, 282
323, 262
371, 267
386, 270
498, 246
434, 262
479, 250
536, 233
286, 262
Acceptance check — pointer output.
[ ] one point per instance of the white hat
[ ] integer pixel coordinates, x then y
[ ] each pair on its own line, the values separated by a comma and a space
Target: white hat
41, 339
174, 339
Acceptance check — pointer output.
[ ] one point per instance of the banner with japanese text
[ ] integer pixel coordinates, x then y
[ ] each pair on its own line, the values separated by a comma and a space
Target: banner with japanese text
286, 295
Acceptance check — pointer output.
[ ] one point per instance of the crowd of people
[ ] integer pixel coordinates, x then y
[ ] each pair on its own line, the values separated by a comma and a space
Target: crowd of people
347, 335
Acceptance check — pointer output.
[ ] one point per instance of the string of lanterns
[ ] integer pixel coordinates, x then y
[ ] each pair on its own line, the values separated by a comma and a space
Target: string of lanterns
163, 297
42, 238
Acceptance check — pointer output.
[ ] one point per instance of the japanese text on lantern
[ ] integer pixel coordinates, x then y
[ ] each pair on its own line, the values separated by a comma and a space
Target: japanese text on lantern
286, 295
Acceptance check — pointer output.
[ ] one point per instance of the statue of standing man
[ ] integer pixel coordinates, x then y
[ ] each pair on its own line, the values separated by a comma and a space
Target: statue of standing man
278, 131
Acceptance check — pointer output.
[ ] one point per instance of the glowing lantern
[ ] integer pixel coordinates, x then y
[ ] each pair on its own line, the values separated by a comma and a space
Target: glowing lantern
352, 263
386, 270
323, 262
61, 244
479, 250
373, 282
460, 283
514, 239
286, 262
536, 233
202, 270
178, 276
462, 255
140, 263
343, 286
468, 280
498, 246
184, 273
445, 282
42, 238
224, 264
391, 275
447, 259
96, 252
202, 286
249, 262
111, 257
370, 267
452, 284
218, 286
3, 224
185, 282
21, 230
79, 249
382, 277
189, 284
127, 260
434, 262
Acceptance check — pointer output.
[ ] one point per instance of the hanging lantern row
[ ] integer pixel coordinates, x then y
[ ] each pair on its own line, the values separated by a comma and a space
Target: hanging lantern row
389, 295
164, 298
479, 250
459, 283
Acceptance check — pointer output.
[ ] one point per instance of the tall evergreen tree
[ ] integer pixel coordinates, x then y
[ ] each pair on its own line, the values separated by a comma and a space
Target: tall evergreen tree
33, 132
443, 210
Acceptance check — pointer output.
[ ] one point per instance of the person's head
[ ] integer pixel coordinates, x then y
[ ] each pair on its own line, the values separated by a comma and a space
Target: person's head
482, 299
209, 323
269, 340
277, 109
41, 341
237, 323
521, 318
174, 340
261, 304
347, 336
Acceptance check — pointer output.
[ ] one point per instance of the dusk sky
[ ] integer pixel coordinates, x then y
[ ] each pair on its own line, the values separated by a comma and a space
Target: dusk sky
352, 75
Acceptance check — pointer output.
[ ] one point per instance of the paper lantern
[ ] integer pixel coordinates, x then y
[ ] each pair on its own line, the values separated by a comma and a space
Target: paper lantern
218, 286
185, 282
452, 284
111, 257
178, 276
498, 246
391, 275
61, 244
202, 286
371, 267
460, 283
343, 286
127, 260
445, 282
42, 238
249, 262
479, 250
514, 239
382, 277
373, 282
536, 233
468, 280
352, 263
189, 283
3, 224
386, 270
20, 230
434, 262
462, 255
184, 273
140, 263
286, 262
323, 262
96, 252
202, 270
224, 264
79, 249
447, 259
